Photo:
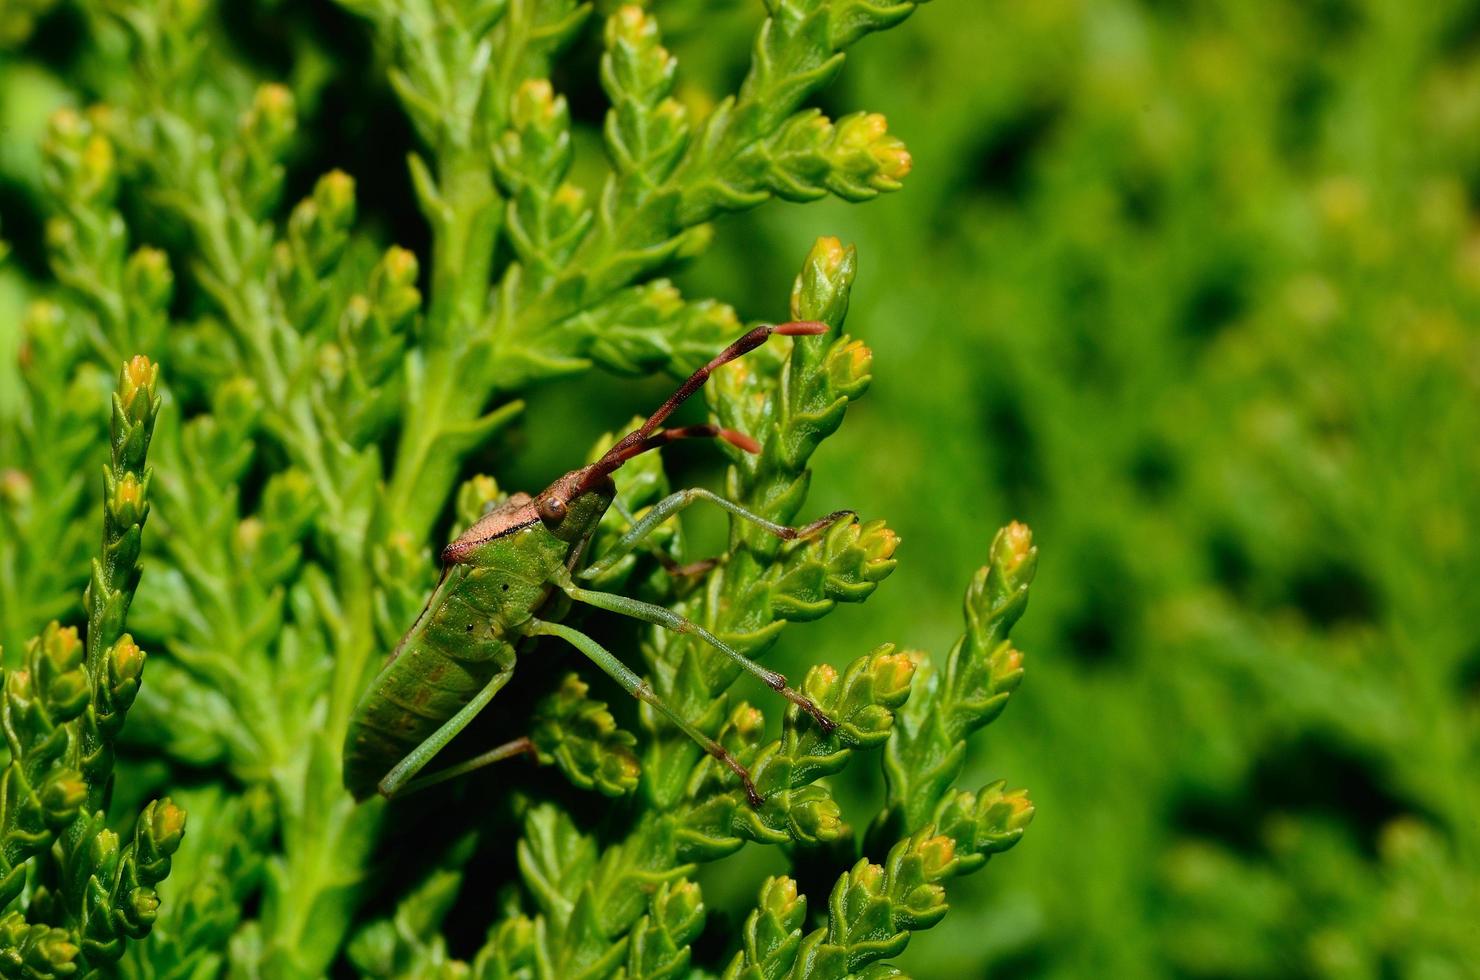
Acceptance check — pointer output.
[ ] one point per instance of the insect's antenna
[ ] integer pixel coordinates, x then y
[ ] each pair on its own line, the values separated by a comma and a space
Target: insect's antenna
664, 436
641, 439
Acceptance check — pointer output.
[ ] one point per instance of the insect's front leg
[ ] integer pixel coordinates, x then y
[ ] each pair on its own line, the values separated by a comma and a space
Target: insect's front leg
650, 545
667, 618
676, 502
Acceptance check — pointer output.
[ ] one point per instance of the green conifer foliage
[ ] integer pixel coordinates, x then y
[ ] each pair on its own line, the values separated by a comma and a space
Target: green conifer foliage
332, 396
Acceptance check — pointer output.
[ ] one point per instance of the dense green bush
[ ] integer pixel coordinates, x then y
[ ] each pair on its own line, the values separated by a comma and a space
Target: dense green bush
1195, 286
1188, 287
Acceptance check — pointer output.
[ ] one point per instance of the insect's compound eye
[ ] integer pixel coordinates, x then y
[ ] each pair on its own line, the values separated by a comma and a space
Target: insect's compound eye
552, 509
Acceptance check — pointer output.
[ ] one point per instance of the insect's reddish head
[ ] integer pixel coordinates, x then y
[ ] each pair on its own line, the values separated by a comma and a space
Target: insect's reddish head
571, 506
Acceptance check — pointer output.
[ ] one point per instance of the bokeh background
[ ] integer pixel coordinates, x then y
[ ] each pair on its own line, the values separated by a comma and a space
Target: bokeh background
1191, 288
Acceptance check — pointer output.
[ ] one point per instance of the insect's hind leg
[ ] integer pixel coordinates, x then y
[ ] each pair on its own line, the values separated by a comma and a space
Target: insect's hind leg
640, 689
509, 750
397, 781
675, 502
667, 618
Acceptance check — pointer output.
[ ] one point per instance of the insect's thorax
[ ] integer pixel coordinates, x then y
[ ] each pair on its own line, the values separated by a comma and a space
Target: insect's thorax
584, 513
510, 575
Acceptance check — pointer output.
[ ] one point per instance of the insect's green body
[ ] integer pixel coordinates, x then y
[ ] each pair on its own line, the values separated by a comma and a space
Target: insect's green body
469, 633
508, 578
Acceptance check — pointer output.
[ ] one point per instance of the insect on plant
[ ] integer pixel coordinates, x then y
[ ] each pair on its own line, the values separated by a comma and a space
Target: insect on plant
503, 582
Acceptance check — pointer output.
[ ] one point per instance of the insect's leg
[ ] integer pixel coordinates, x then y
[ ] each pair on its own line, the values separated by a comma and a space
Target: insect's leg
395, 780
675, 502
643, 691
519, 746
669, 565
662, 616
691, 568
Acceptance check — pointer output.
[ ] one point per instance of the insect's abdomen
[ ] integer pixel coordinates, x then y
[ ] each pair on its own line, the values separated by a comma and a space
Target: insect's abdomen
466, 637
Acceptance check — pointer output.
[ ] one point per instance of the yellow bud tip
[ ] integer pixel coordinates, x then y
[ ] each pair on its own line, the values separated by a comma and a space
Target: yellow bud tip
748, 720
896, 670
150, 261
336, 191
275, 98
894, 160
15, 486
885, 543
828, 253
630, 19
664, 295
400, 264
249, 533
485, 487
130, 491
63, 642
938, 852
534, 102
1017, 544
1014, 659
169, 820
97, 156
59, 233
139, 374
358, 308
66, 121
67, 793
331, 360
61, 951
43, 311
127, 658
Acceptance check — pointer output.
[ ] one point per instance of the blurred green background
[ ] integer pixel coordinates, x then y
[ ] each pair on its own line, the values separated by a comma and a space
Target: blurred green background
1191, 288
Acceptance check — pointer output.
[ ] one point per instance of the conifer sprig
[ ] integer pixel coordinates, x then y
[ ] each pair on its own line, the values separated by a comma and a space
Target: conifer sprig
62, 712
967, 692
949, 832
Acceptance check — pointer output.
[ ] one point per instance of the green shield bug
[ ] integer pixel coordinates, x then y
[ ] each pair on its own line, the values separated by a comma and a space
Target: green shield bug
506, 572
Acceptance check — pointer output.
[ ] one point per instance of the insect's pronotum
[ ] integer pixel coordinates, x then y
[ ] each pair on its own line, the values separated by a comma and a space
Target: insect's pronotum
499, 578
